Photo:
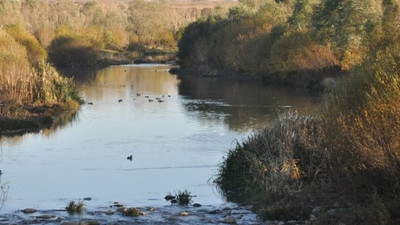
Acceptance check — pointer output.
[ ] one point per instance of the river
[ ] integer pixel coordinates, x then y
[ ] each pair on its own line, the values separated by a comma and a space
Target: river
176, 144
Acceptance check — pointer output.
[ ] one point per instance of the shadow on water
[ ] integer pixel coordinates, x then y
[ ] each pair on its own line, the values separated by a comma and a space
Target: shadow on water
242, 105
64, 120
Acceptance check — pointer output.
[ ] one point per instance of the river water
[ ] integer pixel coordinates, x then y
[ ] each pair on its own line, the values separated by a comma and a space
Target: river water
175, 144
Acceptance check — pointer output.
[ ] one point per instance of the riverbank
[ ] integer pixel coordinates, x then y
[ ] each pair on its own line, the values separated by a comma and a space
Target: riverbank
22, 118
314, 80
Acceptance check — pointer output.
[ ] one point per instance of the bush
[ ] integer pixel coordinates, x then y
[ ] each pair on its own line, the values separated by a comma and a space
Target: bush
275, 160
69, 50
362, 122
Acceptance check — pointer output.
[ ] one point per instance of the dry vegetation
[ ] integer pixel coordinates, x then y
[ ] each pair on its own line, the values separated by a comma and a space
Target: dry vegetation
342, 166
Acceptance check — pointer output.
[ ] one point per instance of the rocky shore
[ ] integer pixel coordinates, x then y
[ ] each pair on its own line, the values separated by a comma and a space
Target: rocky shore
119, 214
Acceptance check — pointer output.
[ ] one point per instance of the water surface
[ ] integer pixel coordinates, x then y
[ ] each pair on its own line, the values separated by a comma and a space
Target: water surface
175, 144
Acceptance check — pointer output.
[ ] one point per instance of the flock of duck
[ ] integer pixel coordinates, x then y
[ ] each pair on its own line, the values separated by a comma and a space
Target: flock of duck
158, 99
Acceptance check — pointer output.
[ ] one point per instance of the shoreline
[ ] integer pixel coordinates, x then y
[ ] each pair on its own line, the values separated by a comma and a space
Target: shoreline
317, 84
36, 117
228, 213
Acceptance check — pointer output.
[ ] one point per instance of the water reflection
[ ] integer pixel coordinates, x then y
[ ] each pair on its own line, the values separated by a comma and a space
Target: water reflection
176, 144
242, 105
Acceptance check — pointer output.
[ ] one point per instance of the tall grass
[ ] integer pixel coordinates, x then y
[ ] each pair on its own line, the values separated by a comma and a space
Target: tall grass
21, 83
275, 160
362, 122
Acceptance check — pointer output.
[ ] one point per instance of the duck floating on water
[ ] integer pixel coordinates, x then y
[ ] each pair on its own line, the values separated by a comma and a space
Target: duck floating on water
120, 100
129, 158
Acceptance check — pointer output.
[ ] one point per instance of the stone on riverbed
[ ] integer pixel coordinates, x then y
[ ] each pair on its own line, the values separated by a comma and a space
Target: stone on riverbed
45, 217
184, 213
230, 220
121, 209
85, 222
29, 210
131, 212
109, 212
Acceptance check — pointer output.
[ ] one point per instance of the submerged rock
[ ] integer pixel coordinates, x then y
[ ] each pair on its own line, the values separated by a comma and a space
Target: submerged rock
121, 209
29, 210
109, 212
215, 211
230, 220
85, 222
45, 217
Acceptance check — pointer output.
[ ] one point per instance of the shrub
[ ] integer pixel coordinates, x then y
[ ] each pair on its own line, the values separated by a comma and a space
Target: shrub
362, 122
70, 49
275, 160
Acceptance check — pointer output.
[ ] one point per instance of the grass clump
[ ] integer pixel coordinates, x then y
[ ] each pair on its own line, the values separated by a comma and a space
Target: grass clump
75, 208
278, 159
182, 198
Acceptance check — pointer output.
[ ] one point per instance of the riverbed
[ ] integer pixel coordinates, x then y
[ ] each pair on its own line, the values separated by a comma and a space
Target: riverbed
177, 130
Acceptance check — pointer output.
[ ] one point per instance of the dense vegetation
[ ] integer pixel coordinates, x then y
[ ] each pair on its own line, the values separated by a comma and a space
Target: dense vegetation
36, 35
346, 158
31, 90
100, 32
291, 41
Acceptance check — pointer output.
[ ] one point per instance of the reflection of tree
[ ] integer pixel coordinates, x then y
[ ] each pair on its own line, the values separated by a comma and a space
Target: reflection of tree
241, 105
3, 193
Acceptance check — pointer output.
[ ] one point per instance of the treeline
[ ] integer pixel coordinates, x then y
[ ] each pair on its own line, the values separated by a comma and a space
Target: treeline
287, 41
89, 32
341, 165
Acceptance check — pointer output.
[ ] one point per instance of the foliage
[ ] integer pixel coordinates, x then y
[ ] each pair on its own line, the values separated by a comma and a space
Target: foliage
72, 49
75, 208
36, 53
275, 160
362, 119
22, 83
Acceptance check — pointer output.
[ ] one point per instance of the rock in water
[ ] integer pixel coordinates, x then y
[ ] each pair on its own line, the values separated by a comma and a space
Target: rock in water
131, 212
29, 210
230, 220
184, 213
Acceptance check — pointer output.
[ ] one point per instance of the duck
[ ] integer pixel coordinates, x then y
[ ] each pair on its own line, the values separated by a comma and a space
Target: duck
120, 100
151, 100
90, 103
146, 96
137, 94
160, 101
129, 158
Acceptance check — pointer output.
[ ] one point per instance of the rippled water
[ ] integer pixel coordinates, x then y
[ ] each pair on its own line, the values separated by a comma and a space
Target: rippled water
175, 145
